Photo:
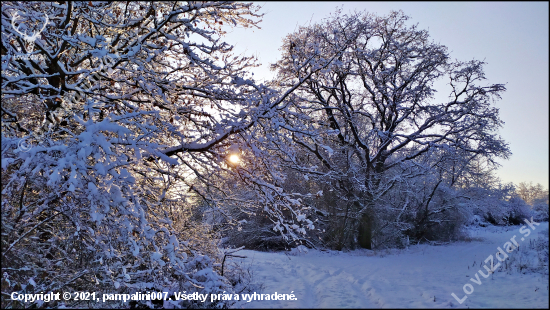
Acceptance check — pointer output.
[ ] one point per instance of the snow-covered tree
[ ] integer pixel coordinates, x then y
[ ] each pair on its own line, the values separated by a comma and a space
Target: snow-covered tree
374, 108
116, 118
536, 196
531, 193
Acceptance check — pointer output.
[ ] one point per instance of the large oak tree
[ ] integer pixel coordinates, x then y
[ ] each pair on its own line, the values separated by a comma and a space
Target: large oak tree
374, 108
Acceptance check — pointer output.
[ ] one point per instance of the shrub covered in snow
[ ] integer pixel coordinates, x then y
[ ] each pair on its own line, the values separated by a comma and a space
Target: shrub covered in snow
530, 257
115, 135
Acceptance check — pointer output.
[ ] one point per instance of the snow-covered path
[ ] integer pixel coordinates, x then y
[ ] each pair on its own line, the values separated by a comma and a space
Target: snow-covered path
419, 277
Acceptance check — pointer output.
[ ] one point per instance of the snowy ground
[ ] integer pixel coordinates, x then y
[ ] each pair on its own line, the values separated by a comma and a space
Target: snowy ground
421, 276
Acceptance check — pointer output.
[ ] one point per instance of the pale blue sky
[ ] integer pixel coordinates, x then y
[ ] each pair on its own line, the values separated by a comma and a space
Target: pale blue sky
512, 37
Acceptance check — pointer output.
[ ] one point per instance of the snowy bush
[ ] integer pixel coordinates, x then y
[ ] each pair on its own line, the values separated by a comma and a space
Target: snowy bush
256, 233
477, 220
541, 246
540, 208
508, 212
530, 257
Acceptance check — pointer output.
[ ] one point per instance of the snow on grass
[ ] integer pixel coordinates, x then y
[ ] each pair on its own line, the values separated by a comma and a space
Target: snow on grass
421, 276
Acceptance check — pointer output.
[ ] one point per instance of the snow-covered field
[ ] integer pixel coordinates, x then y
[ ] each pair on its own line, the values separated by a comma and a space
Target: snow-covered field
421, 276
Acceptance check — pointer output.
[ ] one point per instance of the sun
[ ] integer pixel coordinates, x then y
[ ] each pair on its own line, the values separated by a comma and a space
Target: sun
234, 158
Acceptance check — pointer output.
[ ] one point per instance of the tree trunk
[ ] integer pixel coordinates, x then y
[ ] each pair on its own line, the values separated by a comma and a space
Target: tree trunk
366, 222
365, 232
343, 231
